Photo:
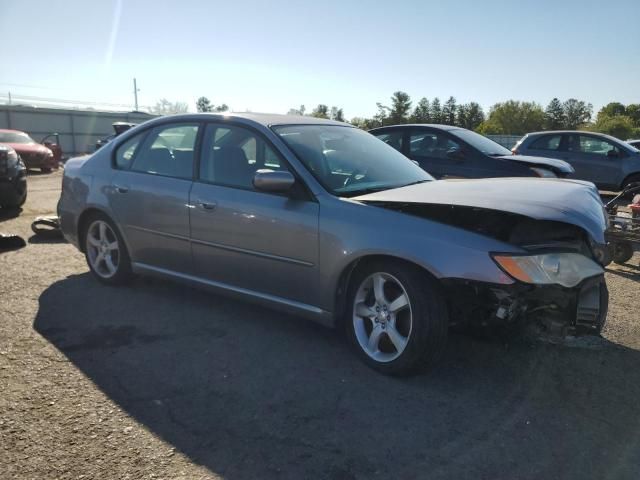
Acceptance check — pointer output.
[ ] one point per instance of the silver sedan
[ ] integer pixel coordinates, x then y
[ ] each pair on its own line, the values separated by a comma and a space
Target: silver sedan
323, 220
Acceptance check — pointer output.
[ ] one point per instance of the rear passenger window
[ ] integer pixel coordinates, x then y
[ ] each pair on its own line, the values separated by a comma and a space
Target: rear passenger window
126, 151
547, 142
168, 151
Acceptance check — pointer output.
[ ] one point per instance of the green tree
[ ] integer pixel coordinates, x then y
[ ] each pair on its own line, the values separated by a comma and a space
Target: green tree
612, 109
297, 111
364, 123
576, 113
381, 117
321, 111
436, 111
633, 112
422, 112
400, 108
554, 115
449, 111
337, 114
619, 126
513, 118
203, 105
165, 107
469, 116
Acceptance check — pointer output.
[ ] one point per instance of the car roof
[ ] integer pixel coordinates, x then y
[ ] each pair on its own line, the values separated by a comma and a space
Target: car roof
579, 132
266, 119
437, 126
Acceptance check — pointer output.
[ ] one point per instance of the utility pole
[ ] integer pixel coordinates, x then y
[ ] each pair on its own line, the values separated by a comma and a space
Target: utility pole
9, 98
135, 93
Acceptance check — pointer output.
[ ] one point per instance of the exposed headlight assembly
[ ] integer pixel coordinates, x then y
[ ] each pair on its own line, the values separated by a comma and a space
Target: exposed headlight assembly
566, 269
12, 159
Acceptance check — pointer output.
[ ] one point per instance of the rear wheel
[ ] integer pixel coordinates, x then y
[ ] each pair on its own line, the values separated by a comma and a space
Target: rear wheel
105, 251
397, 319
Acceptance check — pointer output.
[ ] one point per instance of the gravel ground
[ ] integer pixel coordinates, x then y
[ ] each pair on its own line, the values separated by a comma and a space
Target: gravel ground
162, 381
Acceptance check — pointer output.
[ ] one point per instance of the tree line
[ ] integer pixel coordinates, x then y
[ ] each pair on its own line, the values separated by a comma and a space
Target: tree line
511, 117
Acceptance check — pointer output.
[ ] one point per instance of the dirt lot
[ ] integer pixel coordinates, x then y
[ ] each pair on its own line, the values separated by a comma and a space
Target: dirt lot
161, 381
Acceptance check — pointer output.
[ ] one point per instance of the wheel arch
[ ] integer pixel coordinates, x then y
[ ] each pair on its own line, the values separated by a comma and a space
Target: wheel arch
629, 177
83, 220
344, 279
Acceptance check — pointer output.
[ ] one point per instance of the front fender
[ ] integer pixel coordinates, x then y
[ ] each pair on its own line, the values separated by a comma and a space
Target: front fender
352, 231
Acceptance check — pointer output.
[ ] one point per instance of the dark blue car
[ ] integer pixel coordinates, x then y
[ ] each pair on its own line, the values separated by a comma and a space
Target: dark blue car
453, 152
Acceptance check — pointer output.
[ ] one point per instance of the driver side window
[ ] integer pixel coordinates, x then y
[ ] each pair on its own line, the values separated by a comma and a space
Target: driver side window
431, 145
168, 151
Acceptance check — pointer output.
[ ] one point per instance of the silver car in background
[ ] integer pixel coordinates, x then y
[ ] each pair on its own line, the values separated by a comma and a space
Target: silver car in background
323, 220
609, 163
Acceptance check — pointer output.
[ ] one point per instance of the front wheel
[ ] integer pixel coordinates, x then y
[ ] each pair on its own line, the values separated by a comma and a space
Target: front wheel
397, 319
106, 252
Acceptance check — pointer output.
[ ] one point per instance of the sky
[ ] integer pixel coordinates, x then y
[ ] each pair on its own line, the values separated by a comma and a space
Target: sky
270, 56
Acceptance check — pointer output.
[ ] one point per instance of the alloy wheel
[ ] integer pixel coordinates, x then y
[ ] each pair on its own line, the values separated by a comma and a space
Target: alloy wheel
103, 250
382, 317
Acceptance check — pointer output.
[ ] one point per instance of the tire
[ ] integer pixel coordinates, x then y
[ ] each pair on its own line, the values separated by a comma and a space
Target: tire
622, 252
45, 169
371, 317
105, 251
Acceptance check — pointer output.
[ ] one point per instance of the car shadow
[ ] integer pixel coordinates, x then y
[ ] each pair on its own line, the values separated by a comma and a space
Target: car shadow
250, 393
46, 238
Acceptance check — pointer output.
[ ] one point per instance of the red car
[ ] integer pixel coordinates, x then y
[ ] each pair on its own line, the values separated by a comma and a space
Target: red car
33, 154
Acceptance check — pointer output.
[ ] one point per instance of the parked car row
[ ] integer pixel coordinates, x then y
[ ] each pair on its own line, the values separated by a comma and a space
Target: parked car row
321, 219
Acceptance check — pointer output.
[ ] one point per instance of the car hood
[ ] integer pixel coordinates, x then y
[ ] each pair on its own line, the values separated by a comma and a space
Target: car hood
552, 163
28, 148
569, 201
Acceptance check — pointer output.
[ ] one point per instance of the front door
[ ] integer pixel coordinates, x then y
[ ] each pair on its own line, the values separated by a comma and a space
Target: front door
594, 159
262, 242
442, 156
149, 195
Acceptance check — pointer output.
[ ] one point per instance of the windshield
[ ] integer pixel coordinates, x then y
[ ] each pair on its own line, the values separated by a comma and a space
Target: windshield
482, 143
348, 161
15, 137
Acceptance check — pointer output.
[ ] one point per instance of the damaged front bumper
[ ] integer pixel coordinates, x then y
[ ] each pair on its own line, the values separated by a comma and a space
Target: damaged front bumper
555, 310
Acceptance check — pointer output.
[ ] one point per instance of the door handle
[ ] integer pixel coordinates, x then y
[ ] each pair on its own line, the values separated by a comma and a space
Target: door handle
210, 205
121, 189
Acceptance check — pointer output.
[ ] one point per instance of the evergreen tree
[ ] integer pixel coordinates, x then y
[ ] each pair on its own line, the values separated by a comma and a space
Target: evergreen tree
554, 115
400, 108
422, 112
449, 111
436, 111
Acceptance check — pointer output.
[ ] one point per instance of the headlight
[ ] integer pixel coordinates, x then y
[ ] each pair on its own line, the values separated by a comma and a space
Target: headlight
543, 172
566, 269
12, 159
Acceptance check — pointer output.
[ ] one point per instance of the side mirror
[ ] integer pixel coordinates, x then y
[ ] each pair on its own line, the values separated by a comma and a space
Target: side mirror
270, 181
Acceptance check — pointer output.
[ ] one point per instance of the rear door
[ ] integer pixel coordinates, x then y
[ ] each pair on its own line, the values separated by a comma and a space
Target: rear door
263, 242
149, 195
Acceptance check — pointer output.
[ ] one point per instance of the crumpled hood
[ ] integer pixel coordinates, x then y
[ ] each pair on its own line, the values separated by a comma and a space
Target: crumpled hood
553, 163
570, 201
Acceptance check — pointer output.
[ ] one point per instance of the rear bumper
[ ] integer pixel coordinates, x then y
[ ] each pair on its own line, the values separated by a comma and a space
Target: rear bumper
555, 310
